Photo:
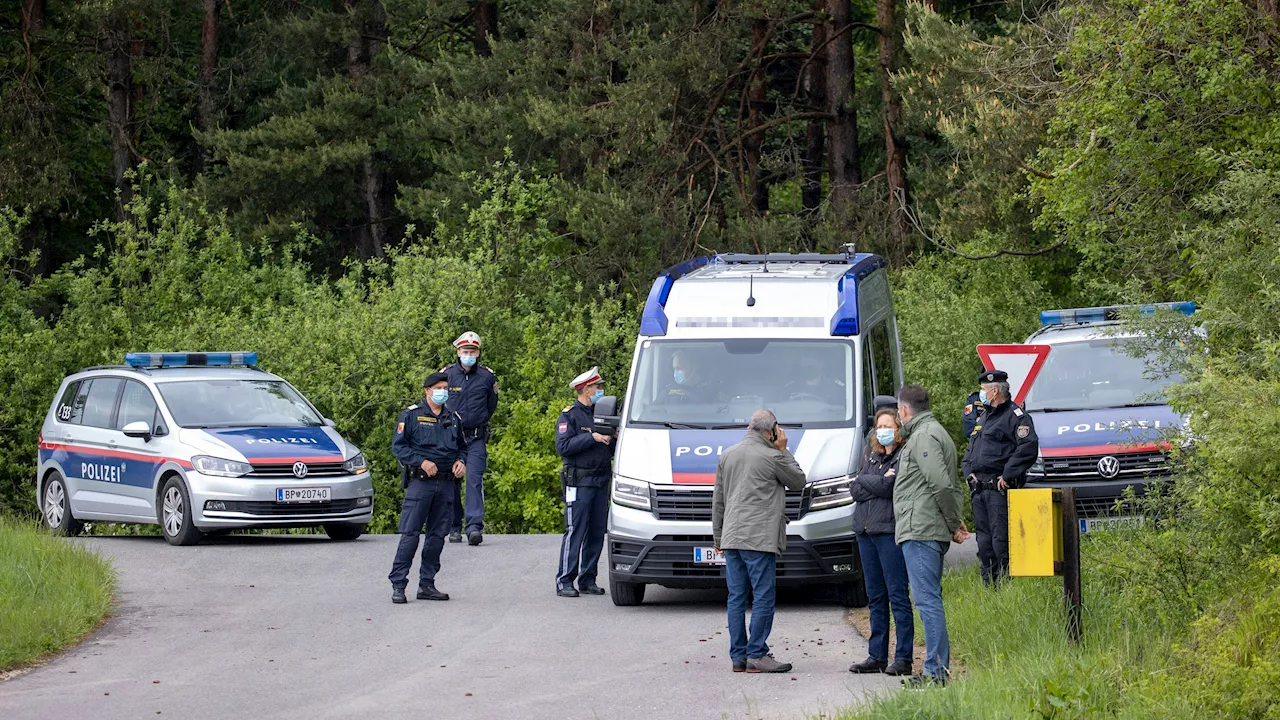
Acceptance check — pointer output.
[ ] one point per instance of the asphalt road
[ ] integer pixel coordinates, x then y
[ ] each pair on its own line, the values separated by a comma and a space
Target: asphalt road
300, 627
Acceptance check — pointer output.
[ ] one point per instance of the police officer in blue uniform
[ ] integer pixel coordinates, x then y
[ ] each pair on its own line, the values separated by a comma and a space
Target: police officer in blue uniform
428, 443
473, 395
1002, 447
974, 406
588, 458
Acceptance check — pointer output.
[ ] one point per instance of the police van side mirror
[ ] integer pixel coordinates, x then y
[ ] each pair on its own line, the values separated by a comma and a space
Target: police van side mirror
137, 430
330, 422
606, 417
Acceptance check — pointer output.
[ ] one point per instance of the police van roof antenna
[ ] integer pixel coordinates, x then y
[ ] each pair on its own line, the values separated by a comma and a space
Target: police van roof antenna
850, 249
751, 295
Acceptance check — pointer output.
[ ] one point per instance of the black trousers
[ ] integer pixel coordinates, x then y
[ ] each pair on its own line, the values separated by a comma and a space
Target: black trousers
427, 503
991, 525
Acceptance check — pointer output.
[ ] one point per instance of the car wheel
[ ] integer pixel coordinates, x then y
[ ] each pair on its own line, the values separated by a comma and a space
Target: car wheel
625, 594
55, 508
343, 531
176, 514
852, 595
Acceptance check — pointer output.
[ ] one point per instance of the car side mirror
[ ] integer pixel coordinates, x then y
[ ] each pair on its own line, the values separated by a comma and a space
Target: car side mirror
330, 422
606, 418
137, 429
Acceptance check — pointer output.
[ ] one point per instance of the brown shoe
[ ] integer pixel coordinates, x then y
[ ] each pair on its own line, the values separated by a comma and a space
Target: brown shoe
766, 664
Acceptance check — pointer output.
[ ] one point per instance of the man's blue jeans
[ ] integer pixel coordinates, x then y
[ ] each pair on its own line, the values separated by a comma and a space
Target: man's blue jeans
757, 572
885, 573
924, 569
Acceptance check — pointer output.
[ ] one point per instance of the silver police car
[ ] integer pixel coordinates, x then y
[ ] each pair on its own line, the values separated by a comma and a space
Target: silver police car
197, 443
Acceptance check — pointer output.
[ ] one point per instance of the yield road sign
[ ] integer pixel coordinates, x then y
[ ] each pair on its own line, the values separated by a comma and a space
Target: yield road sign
1021, 362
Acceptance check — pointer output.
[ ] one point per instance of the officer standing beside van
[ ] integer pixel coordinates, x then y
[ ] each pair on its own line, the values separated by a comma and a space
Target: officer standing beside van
473, 395
588, 462
428, 444
1002, 448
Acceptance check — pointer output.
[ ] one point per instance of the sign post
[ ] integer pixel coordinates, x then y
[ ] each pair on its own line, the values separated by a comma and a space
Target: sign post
1045, 541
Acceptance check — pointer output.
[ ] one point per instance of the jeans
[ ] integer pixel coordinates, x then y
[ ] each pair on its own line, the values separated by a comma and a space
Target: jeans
430, 503
476, 458
924, 569
586, 517
885, 572
991, 525
755, 571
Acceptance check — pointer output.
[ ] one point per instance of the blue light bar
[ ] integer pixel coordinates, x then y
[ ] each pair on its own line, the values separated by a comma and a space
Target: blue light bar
653, 321
844, 323
1109, 313
188, 359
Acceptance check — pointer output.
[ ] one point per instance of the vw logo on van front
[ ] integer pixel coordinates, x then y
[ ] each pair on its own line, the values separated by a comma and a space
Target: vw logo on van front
1108, 467
300, 469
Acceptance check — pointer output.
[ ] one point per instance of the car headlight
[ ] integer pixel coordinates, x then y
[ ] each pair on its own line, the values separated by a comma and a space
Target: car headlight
220, 467
631, 493
355, 465
1037, 467
827, 494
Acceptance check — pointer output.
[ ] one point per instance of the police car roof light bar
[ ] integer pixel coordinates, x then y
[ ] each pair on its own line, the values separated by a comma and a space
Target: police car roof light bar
1109, 313
191, 359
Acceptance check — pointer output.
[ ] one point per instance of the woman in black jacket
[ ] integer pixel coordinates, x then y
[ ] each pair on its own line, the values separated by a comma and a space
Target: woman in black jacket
883, 569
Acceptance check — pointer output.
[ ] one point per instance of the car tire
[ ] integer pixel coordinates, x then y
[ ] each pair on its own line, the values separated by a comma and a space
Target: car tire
176, 514
853, 594
343, 532
625, 594
55, 508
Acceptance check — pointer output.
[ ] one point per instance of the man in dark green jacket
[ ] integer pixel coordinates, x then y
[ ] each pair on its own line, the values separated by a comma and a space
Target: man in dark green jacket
927, 502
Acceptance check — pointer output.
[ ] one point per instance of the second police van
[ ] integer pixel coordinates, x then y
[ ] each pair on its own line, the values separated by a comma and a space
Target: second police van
811, 337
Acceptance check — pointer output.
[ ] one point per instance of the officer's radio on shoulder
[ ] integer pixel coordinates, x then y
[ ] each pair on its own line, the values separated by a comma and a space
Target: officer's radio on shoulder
606, 417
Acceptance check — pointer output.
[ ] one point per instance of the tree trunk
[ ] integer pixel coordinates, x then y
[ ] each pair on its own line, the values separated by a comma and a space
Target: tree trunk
208, 68
815, 133
931, 4
895, 144
116, 50
842, 128
369, 37
485, 15
757, 113
32, 18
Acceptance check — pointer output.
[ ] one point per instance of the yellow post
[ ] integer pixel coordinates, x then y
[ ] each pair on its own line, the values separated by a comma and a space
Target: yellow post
1035, 533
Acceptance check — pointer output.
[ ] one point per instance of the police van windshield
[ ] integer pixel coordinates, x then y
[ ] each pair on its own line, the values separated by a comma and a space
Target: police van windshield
1096, 374
237, 403
719, 383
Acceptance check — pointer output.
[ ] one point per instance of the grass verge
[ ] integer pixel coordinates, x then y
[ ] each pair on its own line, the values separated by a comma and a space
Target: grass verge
52, 593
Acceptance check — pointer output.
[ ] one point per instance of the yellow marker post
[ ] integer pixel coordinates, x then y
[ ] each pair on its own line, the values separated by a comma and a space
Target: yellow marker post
1035, 533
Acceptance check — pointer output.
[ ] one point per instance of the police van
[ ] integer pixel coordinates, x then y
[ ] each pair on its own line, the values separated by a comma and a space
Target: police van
1100, 411
197, 443
811, 337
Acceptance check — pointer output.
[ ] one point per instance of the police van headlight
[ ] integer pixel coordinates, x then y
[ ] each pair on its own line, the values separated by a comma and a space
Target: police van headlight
222, 468
827, 494
1037, 467
631, 493
355, 465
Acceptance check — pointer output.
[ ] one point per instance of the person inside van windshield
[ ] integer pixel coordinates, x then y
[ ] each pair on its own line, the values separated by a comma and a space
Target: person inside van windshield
812, 381
688, 385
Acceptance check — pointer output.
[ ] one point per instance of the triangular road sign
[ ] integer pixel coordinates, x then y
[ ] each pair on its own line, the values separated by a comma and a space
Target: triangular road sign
1022, 362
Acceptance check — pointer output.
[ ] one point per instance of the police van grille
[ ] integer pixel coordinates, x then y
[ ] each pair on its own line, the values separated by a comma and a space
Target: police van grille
694, 504
267, 507
676, 561
1136, 464
285, 470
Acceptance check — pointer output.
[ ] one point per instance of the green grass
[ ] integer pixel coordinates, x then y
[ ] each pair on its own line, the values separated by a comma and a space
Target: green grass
52, 593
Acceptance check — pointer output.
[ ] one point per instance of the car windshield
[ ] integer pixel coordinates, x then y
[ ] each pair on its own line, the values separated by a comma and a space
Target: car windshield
719, 383
237, 403
1096, 374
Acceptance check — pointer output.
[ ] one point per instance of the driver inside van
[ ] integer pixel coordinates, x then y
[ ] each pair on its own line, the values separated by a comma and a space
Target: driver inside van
811, 381
688, 385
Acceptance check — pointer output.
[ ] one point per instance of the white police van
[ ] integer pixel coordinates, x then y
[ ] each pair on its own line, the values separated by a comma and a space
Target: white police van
198, 443
1100, 411
811, 337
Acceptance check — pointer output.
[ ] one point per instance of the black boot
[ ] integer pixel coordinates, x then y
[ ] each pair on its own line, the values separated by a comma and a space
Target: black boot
567, 591
428, 591
870, 665
899, 667
397, 596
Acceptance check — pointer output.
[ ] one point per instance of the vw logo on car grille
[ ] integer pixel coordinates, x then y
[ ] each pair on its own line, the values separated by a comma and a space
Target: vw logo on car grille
1108, 467
300, 469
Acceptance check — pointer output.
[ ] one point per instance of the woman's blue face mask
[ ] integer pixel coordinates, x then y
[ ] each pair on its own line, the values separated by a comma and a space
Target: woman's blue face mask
885, 436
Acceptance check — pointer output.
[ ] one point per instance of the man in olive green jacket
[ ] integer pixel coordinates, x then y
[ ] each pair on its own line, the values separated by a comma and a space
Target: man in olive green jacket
927, 502
749, 524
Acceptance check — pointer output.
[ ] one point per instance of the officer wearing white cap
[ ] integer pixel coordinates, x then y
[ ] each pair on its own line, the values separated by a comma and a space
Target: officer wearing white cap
473, 395
588, 458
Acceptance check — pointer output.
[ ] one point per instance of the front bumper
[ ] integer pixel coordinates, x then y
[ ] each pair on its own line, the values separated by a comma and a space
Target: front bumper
251, 502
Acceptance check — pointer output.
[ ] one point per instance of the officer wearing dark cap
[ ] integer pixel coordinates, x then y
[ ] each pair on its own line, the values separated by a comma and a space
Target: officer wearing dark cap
588, 458
974, 406
1002, 447
428, 443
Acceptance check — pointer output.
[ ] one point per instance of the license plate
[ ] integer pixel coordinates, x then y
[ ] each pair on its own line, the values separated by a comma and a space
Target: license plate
302, 494
708, 556
1101, 524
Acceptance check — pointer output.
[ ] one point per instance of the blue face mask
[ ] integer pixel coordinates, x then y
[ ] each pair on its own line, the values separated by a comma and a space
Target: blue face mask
885, 436
982, 396
595, 397
440, 396
467, 360
679, 377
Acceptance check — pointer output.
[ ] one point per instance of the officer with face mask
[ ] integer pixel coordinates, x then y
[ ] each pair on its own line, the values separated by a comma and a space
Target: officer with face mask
588, 459
473, 395
974, 406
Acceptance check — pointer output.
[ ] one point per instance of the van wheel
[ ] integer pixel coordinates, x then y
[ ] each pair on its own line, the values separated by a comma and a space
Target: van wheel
55, 508
342, 532
626, 594
852, 595
176, 514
